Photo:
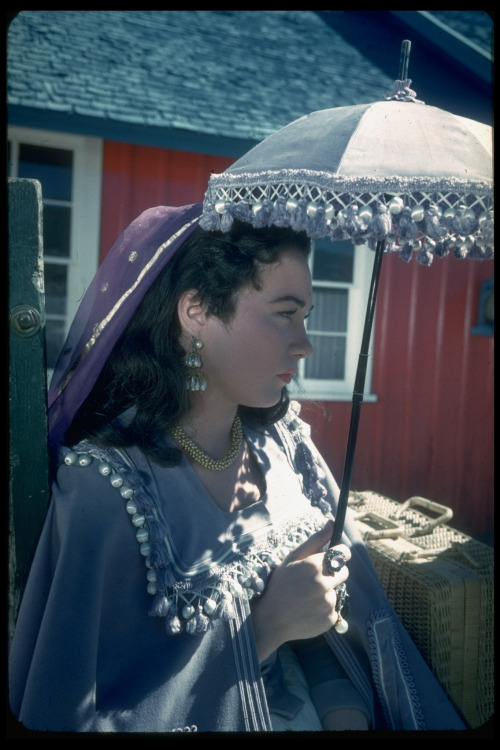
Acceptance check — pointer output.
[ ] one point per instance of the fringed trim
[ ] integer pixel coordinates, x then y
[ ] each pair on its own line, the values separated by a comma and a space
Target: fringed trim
139, 504
190, 604
419, 215
303, 460
375, 651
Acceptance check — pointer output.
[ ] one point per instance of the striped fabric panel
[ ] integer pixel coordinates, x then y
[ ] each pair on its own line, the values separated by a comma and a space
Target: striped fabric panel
253, 699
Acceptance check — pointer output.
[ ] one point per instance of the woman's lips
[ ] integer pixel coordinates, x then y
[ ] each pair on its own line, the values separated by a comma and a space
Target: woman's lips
286, 377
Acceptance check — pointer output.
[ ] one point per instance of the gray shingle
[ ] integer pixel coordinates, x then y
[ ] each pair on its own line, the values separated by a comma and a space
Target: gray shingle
273, 66
235, 74
474, 25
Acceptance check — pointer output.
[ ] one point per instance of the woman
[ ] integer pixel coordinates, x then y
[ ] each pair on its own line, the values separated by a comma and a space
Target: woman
187, 488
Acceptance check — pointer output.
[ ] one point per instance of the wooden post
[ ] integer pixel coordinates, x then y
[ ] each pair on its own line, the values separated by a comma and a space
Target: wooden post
29, 467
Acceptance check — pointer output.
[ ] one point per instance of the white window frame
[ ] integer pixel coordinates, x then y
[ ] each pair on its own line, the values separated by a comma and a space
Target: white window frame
85, 205
358, 291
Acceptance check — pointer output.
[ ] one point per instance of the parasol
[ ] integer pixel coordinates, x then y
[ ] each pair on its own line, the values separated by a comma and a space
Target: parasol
396, 175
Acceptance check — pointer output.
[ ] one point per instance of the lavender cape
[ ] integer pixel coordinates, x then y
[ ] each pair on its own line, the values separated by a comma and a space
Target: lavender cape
124, 539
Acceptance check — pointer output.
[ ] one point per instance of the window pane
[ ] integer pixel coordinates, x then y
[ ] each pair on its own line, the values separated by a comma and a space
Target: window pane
56, 230
328, 359
333, 261
51, 166
55, 289
54, 340
330, 310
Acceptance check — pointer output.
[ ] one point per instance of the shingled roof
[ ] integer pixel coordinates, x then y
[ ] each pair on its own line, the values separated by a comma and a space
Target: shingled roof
222, 79
475, 26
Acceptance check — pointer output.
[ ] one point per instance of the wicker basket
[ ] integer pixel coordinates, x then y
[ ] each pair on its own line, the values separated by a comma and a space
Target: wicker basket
440, 582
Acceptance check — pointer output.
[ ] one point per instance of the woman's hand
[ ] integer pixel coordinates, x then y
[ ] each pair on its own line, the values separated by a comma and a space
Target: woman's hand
300, 598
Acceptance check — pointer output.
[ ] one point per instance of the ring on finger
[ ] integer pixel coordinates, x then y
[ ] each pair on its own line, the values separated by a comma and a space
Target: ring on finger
334, 561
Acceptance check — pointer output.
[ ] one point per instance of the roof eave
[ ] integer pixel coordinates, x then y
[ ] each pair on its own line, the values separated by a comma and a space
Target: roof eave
461, 50
176, 139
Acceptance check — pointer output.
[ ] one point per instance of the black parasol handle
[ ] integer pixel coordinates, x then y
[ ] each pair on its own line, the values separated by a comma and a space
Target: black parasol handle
357, 398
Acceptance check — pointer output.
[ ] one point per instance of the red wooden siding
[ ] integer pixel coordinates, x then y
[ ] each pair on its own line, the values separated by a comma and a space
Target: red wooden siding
430, 433
139, 177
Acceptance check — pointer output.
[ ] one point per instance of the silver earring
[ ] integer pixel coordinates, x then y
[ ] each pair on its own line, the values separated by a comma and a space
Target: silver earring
195, 377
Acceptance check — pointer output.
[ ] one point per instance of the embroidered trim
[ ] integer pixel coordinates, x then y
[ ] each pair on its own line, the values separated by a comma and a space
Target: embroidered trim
190, 603
405, 674
301, 458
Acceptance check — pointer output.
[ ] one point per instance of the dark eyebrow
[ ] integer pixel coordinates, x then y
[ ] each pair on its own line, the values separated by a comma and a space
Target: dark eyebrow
289, 298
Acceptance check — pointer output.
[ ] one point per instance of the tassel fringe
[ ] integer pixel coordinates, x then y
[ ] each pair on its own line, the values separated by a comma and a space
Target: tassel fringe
432, 224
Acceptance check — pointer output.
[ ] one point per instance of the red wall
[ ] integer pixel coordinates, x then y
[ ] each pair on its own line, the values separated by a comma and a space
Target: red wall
139, 177
430, 433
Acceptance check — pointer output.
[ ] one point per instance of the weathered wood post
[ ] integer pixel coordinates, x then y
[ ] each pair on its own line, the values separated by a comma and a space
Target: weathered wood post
29, 468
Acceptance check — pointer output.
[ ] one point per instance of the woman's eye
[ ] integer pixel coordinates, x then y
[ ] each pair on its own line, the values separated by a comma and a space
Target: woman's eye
291, 313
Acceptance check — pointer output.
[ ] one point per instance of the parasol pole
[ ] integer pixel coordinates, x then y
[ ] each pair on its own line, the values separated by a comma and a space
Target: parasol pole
404, 59
359, 382
357, 397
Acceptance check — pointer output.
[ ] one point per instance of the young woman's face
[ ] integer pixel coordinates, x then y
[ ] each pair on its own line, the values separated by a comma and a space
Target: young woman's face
248, 360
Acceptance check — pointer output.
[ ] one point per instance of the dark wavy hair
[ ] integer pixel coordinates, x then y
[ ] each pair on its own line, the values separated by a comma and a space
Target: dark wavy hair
146, 370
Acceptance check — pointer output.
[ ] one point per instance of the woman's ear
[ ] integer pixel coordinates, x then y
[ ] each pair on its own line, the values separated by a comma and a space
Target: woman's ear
191, 312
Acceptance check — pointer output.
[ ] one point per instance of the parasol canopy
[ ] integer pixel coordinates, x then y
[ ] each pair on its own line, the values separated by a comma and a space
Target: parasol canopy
414, 175
395, 175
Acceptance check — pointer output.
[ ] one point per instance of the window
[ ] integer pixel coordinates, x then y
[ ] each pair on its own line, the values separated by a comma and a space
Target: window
69, 171
341, 275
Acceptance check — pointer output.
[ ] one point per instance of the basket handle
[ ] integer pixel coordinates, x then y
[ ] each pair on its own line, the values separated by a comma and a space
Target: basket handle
455, 550
444, 510
391, 531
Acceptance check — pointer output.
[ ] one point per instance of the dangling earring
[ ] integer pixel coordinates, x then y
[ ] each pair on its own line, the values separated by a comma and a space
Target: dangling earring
195, 378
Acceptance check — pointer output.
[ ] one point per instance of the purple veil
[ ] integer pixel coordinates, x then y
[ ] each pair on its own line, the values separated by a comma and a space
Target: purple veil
127, 272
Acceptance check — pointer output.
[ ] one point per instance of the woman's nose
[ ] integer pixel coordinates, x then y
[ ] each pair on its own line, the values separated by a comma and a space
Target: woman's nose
302, 347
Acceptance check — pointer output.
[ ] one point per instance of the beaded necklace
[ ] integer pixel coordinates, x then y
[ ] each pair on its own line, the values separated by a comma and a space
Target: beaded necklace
198, 455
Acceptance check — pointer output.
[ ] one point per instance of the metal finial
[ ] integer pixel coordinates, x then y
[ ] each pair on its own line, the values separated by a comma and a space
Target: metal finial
404, 60
401, 90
